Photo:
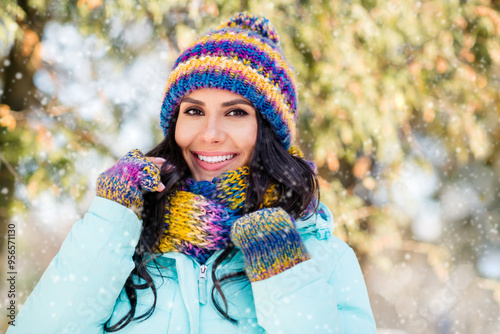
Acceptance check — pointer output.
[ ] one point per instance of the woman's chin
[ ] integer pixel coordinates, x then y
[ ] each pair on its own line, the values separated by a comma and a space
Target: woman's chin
209, 176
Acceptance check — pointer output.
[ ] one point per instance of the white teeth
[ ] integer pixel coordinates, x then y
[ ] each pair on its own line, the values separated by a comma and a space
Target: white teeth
215, 159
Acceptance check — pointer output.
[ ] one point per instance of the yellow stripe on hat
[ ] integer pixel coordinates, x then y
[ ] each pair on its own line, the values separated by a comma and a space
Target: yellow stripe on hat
244, 37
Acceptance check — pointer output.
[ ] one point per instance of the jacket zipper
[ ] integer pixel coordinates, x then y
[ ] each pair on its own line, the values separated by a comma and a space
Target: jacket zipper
202, 284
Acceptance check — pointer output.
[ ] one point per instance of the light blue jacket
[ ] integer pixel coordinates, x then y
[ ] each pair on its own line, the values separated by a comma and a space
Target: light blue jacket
83, 286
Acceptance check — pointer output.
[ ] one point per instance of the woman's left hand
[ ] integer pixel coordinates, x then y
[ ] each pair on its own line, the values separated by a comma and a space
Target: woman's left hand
269, 241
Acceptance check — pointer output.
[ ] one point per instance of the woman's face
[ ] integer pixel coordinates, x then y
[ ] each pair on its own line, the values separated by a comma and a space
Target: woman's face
216, 131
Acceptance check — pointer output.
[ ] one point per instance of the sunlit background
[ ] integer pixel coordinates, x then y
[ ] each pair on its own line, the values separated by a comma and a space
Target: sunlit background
399, 107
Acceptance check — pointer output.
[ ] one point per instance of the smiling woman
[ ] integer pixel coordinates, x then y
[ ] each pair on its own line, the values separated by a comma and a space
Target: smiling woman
216, 131
225, 206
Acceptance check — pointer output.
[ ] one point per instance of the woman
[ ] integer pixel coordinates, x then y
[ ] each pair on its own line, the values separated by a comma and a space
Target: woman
219, 229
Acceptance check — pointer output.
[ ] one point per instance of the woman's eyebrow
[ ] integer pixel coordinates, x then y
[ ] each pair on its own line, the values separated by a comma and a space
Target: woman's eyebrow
188, 99
238, 101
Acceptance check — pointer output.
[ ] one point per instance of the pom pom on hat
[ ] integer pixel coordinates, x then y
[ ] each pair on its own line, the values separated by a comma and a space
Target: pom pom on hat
258, 24
242, 56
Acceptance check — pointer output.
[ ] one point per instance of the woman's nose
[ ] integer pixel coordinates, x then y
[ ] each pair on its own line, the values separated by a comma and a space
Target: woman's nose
213, 131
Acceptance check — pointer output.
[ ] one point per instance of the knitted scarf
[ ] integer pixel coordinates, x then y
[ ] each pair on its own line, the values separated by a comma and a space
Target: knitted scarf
199, 215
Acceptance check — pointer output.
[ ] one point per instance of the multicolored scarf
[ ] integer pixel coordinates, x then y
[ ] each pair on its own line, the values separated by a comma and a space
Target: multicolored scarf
199, 215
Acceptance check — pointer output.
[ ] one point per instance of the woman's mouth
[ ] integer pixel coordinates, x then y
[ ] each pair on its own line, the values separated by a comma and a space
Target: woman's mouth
213, 159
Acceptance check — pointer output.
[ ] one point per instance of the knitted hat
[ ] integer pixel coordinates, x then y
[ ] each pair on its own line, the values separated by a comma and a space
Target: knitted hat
242, 56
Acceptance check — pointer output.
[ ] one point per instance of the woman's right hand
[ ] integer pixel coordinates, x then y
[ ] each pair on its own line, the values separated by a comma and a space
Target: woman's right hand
124, 181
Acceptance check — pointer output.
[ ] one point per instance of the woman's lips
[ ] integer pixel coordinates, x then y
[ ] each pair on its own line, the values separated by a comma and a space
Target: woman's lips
212, 166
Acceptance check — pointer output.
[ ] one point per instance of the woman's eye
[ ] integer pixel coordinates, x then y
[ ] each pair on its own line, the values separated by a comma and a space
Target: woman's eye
237, 112
192, 112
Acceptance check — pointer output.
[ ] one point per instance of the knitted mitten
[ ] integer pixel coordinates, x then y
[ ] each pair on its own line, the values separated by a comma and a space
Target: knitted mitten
269, 241
123, 182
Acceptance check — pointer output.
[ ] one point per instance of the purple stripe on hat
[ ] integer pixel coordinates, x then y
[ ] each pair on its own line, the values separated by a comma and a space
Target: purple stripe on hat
258, 60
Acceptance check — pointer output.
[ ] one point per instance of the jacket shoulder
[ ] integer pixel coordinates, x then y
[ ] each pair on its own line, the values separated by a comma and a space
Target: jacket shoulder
325, 249
319, 228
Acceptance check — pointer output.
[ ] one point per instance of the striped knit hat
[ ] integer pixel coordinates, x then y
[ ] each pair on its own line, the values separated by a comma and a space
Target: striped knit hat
242, 56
